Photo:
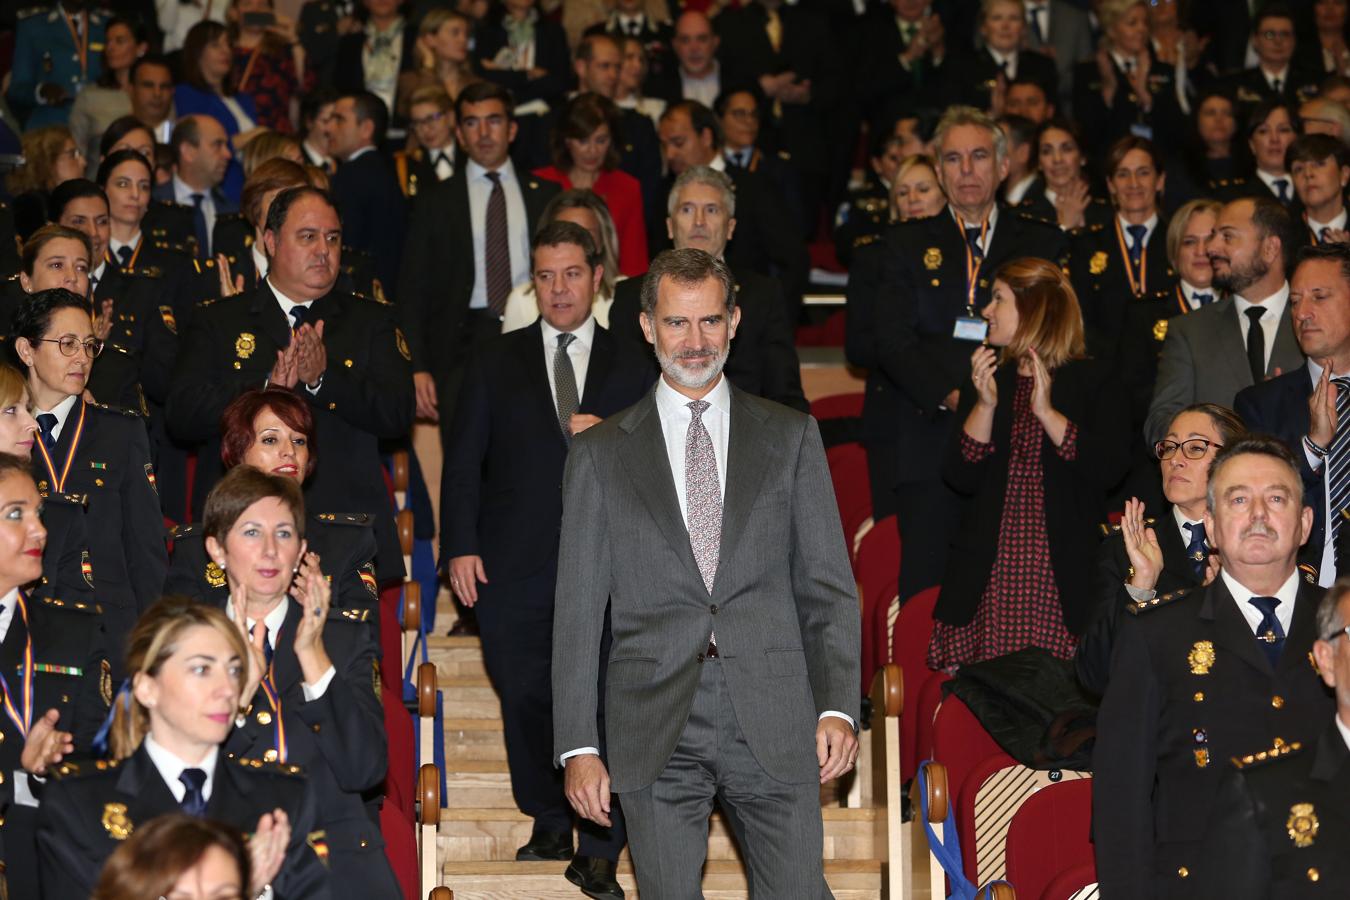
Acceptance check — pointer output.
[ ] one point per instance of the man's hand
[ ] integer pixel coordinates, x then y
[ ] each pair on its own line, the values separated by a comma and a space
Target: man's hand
312, 357
284, 373
581, 421
1322, 409
425, 387
586, 783
45, 745
466, 573
836, 747
774, 85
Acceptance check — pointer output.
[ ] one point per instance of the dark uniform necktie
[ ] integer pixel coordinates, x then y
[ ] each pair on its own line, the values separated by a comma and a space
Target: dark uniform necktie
199, 226
1270, 633
1196, 551
497, 248
267, 644
1256, 343
973, 239
1322, 234
1277, 85
298, 315
1034, 20
565, 384
46, 428
1338, 478
1281, 186
194, 801
1137, 233
124, 255
1202, 299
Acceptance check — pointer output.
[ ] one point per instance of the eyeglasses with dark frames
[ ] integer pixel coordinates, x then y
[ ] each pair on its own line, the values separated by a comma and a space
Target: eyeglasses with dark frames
70, 345
1195, 448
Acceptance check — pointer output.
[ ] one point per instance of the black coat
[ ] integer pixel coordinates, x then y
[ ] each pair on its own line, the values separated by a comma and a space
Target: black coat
338, 740
92, 807
1102, 125
144, 323
923, 292
886, 89
501, 489
366, 396
980, 74
67, 573
763, 358
1250, 86
1087, 393
1190, 688
550, 54
882, 402
373, 211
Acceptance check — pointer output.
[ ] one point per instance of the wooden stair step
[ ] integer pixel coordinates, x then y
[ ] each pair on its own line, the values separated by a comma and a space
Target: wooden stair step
456, 656
473, 739
467, 834
722, 880
469, 697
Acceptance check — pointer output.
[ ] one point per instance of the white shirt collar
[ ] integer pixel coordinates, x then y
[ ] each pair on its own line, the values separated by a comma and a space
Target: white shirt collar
9, 602
272, 621
170, 767
260, 262
670, 401
1000, 58
1182, 522
474, 170
584, 333
1315, 371
182, 191
1287, 594
1270, 180
718, 163
714, 72
1345, 731
1150, 225
1269, 76
1337, 222
1275, 303
1121, 61
115, 245
1015, 192
97, 274
62, 412
359, 152
287, 304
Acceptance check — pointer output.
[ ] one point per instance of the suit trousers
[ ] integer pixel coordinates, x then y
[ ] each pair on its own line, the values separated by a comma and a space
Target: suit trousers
777, 825
515, 621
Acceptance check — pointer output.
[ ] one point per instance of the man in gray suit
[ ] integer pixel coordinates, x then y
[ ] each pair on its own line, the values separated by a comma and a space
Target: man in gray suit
1212, 353
1062, 30
705, 518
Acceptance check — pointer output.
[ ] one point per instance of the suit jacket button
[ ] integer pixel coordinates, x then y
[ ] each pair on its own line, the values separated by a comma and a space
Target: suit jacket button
700, 657
713, 609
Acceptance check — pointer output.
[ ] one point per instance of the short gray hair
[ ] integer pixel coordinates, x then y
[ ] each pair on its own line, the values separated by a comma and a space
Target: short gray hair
1253, 445
714, 179
969, 115
1329, 621
686, 267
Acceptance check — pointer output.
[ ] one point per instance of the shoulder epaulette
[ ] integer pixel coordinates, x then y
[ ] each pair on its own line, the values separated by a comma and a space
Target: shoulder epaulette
116, 348
207, 302
73, 499
346, 518
350, 614
182, 531
14, 277
1027, 215
104, 765
1277, 751
1096, 226
263, 765
229, 217
65, 770
863, 240
203, 264
143, 272
1159, 600
73, 605
135, 414
31, 11
1108, 529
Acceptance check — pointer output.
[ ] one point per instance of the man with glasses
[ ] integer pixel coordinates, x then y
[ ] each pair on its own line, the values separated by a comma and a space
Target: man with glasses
1276, 75
1198, 676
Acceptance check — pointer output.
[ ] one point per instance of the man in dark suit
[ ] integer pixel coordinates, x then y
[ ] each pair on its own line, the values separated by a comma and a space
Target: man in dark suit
903, 53
370, 58
1276, 76
201, 152
365, 186
763, 360
750, 698
1302, 407
322, 24
342, 354
461, 261
697, 74
525, 397
1061, 30
1203, 675
988, 70
629, 19
768, 243
936, 277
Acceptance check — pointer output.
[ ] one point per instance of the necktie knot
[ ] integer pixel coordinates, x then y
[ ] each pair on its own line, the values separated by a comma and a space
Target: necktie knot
124, 256
46, 428
1269, 631
1281, 186
197, 199
1266, 605
268, 652
194, 800
565, 340
973, 239
298, 315
494, 177
1254, 314
1203, 299
1196, 551
1137, 233
697, 408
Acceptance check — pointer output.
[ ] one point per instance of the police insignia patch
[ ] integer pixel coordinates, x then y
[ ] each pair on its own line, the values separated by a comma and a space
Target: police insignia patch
932, 259
115, 821
1097, 265
244, 345
1201, 657
402, 342
215, 575
1302, 824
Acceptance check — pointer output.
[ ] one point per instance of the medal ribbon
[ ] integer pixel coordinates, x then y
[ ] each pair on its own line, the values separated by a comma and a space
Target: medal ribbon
1138, 281
136, 254
248, 67
274, 699
22, 722
59, 484
1181, 300
81, 44
972, 264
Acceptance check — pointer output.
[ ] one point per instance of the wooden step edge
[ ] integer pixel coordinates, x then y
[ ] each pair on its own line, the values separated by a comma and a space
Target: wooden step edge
502, 814
494, 724
625, 867
455, 767
450, 682
447, 642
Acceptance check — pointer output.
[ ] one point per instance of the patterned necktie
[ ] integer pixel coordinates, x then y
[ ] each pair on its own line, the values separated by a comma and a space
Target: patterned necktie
497, 248
1281, 186
1269, 634
702, 494
1338, 477
1137, 233
1256, 343
46, 426
1202, 299
194, 801
199, 227
124, 256
565, 385
1196, 551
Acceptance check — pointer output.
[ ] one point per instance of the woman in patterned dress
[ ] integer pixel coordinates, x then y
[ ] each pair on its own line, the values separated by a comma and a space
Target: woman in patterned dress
1044, 436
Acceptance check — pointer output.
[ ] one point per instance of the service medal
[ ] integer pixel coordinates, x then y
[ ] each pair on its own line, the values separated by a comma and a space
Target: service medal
1160, 329
1201, 657
244, 345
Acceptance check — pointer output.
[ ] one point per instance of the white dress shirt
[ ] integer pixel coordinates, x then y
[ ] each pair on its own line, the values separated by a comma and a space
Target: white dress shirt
62, 412
704, 89
1274, 306
1337, 222
170, 767
517, 227
1189, 291
1182, 522
1241, 595
115, 247
1345, 731
273, 622
579, 351
1005, 61
96, 276
183, 194
1269, 179
1271, 77
445, 161
261, 265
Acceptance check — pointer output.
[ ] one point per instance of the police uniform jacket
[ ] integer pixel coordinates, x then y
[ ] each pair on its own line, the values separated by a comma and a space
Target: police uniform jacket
1189, 687
45, 52
923, 292
110, 465
882, 403
1102, 124
169, 221
1035, 202
1250, 87
865, 213
366, 395
338, 740
91, 808
234, 238
67, 572
980, 73
143, 323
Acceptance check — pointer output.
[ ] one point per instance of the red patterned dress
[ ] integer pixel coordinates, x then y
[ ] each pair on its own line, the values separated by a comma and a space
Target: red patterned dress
1020, 605
269, 78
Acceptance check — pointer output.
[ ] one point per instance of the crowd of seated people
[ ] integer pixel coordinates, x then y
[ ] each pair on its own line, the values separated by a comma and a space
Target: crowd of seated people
1097, 257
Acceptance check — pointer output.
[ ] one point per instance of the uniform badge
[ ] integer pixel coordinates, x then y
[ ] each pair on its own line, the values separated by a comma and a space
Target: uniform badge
932, 259
170, 320
1302, 825
402, 343
215, 575
1160, 329
318, 842
1201, 657
150, 477
105, 682
115, 821
1097, 265
244, 345
86, 568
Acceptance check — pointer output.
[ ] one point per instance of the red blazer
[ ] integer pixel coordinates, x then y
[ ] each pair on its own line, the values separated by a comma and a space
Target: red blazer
623, 195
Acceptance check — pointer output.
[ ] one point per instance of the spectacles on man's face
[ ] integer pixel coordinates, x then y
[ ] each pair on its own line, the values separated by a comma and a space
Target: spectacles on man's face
70, 345
1335, 634
1195, 448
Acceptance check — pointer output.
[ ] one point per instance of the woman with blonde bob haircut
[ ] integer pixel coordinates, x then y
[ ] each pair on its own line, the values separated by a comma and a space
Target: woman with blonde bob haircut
1042, 441
189, 666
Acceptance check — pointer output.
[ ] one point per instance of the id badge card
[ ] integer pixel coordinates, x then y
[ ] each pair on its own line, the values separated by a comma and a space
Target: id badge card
970, 328
1139, 129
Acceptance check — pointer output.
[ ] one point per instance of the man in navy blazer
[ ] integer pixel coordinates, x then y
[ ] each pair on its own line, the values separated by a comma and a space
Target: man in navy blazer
201, 157
365, 186
524, 396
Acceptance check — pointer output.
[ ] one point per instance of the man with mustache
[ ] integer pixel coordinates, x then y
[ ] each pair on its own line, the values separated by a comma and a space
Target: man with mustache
340, 353
1201, 675
1307, 408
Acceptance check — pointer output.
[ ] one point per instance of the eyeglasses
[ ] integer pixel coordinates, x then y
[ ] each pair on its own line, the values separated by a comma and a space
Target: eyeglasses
1272, 35
428, 120
1195, 448
72, 152
1337, 633
750, 113
70, 346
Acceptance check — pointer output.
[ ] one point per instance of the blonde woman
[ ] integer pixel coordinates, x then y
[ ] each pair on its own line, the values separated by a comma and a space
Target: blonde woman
444, 60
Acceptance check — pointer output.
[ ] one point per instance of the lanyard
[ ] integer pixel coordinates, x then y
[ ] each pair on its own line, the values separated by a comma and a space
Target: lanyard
274, 700
136, 254
1181, 301
59, 484
1139, 281
25, 721
973, 263
81, 43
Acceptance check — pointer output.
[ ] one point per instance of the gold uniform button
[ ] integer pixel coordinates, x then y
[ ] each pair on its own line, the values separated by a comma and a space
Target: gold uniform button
264, 718
315, 727
332, 406
238, 365
364, 843
270, 756
1199, 696
1314, 875
1183, 872
1277, 701
347, 363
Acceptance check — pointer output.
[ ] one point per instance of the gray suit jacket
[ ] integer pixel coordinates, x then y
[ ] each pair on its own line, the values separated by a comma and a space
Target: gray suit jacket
784, 603
1070, 40
1204, 360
